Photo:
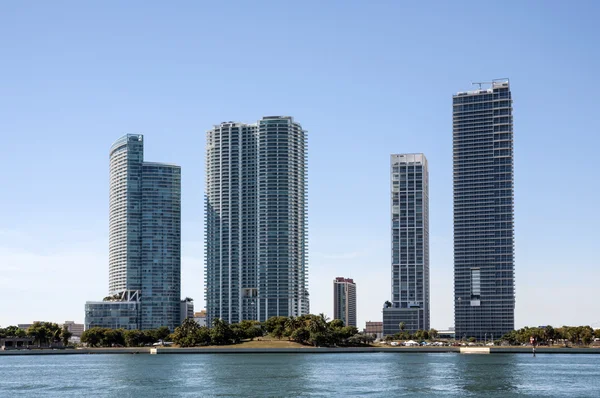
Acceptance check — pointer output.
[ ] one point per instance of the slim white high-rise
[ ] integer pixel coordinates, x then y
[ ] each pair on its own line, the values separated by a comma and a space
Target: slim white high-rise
255, 220
410, 245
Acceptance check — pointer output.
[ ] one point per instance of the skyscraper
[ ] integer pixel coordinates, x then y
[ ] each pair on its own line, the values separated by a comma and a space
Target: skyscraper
410, 245
344, 300
483, 212
144, 242
256, 226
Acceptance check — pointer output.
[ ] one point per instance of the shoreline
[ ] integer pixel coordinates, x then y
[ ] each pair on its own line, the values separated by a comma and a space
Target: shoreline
301, 350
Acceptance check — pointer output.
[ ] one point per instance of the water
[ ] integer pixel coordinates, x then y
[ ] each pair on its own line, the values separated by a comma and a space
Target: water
275, 375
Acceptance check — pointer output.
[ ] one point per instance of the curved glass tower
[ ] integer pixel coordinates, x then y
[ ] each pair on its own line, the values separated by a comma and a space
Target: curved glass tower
124, 247
144, 242
256, 227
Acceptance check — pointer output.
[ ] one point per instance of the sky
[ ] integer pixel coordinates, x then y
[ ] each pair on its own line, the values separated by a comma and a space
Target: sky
365, 78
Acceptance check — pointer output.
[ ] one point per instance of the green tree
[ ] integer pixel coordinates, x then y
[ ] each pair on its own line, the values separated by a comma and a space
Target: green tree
278, 332
113, 338
336, 324
12, 331
134, 338
291, 325
203, 336
402, 326
275, 322
549, 334
162, 332
190, 334
433, 334
586, 334
41, 333
301, 335
221, 332
93, 336
149, 336
251, 329
65, 335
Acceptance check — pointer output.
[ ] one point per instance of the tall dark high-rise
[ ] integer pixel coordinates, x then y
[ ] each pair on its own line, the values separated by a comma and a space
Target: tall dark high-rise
484, 280
256, 226
344, 300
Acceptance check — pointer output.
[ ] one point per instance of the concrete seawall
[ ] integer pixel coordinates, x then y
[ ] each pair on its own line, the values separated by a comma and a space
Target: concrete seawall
303, 350
81, 351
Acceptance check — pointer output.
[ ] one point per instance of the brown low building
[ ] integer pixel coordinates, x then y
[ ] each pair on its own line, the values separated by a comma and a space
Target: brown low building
375, 328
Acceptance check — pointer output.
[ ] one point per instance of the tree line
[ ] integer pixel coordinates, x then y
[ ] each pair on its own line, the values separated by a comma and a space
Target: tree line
419, 335
315, 330
549, 335
105, 337
43, 333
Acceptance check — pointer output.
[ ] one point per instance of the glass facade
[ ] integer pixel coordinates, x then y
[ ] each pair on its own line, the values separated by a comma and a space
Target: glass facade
144, 241
344, 300
161, 245
483, 212
256, 228
410, 244
113, 315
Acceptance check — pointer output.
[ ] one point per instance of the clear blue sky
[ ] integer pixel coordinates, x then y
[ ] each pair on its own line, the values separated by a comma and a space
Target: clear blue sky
365, 78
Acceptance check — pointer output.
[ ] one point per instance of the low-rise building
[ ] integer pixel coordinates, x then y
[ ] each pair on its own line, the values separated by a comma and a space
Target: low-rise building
374, 328
112, 314
186, 309
10, 343
200, 318
75, 328
446, 334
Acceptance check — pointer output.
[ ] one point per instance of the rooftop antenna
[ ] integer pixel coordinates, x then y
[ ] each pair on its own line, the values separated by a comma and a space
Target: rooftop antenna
480, 83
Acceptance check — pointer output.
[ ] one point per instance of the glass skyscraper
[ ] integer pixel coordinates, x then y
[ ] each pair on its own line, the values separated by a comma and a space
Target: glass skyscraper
410, 245
256, 222
483, 212
144, 242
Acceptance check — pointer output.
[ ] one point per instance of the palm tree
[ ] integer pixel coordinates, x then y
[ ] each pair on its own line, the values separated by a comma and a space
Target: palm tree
317, 324
291, 324
65, 335
402, 326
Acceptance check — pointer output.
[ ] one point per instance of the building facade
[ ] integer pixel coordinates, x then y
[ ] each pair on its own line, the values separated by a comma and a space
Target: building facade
200, 318
113, 314
410, 245
75, 328
483, 212
144, 242
374, 328
186, 309
344, 300
256, 226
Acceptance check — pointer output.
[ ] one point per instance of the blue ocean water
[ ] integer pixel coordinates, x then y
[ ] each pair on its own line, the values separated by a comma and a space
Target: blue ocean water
298, 375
